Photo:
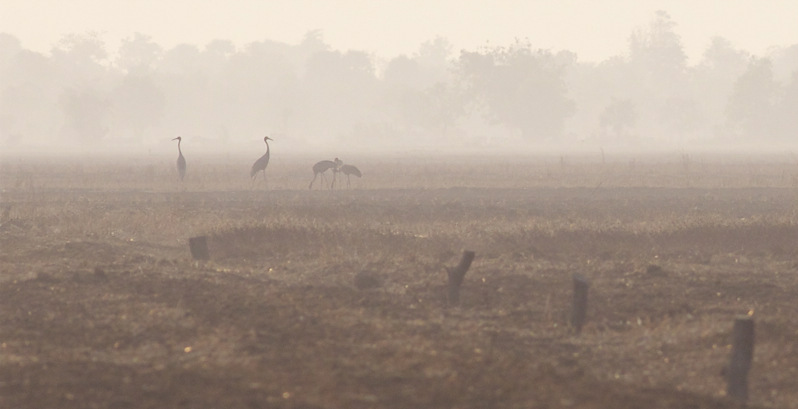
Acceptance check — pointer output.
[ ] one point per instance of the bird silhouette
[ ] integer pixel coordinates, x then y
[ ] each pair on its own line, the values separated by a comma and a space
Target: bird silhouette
181, 161
321, 167
337, 168
350, 170
260, 164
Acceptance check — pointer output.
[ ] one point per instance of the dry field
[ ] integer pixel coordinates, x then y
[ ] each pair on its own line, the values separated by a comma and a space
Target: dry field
337, 299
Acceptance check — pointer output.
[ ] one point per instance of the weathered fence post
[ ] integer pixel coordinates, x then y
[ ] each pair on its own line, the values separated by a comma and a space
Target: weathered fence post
456, 276
579, 312
741, 357
199, 247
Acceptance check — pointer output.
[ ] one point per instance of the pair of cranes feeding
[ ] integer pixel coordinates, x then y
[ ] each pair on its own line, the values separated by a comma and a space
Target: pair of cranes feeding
260, 165
336, 165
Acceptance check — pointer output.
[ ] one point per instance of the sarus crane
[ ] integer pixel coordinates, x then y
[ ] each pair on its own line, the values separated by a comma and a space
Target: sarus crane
350, 170
260, 164
181, 161
323, 166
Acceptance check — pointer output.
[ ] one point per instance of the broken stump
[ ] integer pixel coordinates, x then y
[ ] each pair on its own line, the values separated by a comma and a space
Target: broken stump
741, 357
579, 312
456, 276
199, 247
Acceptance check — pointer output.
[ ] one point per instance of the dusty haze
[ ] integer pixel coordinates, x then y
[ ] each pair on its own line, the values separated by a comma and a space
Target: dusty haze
365, 77
647, 147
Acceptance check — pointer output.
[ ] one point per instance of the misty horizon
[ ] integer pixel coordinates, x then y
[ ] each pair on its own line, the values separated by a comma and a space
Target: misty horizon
309, 96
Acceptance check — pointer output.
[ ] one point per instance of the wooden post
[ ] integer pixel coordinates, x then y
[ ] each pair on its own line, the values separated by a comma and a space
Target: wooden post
579, 312
456, 276
741, 357
199, 247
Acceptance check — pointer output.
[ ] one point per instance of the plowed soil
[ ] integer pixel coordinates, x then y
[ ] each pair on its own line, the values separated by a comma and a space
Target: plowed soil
338, 298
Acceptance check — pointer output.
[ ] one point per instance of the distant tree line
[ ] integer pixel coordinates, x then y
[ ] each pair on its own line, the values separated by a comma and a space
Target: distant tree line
311, 93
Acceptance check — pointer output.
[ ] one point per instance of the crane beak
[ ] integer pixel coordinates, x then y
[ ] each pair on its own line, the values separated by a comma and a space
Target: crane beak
176, 138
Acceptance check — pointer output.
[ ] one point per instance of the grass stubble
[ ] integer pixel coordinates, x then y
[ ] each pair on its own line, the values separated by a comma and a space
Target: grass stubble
102, 304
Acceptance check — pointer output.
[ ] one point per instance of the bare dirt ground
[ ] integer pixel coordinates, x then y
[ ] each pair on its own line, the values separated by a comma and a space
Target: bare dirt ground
337, 299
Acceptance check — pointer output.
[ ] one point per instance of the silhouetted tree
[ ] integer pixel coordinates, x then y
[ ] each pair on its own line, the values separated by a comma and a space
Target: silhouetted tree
713, 79
681, 117
10, 47
338, 90
787, 111
619, 117
256, 87
417, 92
182, 60
81, 63
86, 114
520, 88
402, 72
660, 78
657, 51
751, 106
785, 62
434, 58
138, 104
136, 99
29, 83
138, 55
310, 90
723, 59
80, 60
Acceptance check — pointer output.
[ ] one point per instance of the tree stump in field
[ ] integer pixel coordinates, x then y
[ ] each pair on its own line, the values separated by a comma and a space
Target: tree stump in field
456, 276
741, 357
199, 247
579, 312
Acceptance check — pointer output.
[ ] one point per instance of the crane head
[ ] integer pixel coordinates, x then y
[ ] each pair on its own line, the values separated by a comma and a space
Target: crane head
266, 138
178, 139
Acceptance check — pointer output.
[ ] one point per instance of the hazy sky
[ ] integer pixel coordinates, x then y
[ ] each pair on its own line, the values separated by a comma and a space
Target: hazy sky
594, 29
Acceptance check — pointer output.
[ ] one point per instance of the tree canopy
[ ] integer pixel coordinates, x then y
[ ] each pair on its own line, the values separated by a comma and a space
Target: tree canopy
312, 93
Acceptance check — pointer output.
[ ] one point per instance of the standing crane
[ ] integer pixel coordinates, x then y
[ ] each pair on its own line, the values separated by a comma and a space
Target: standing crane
350, 170
323, 166
181, 161
260, 164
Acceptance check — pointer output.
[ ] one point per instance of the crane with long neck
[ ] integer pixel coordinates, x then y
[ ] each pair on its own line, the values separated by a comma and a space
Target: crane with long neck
262, 162
319, 168
323, 166
181, 161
